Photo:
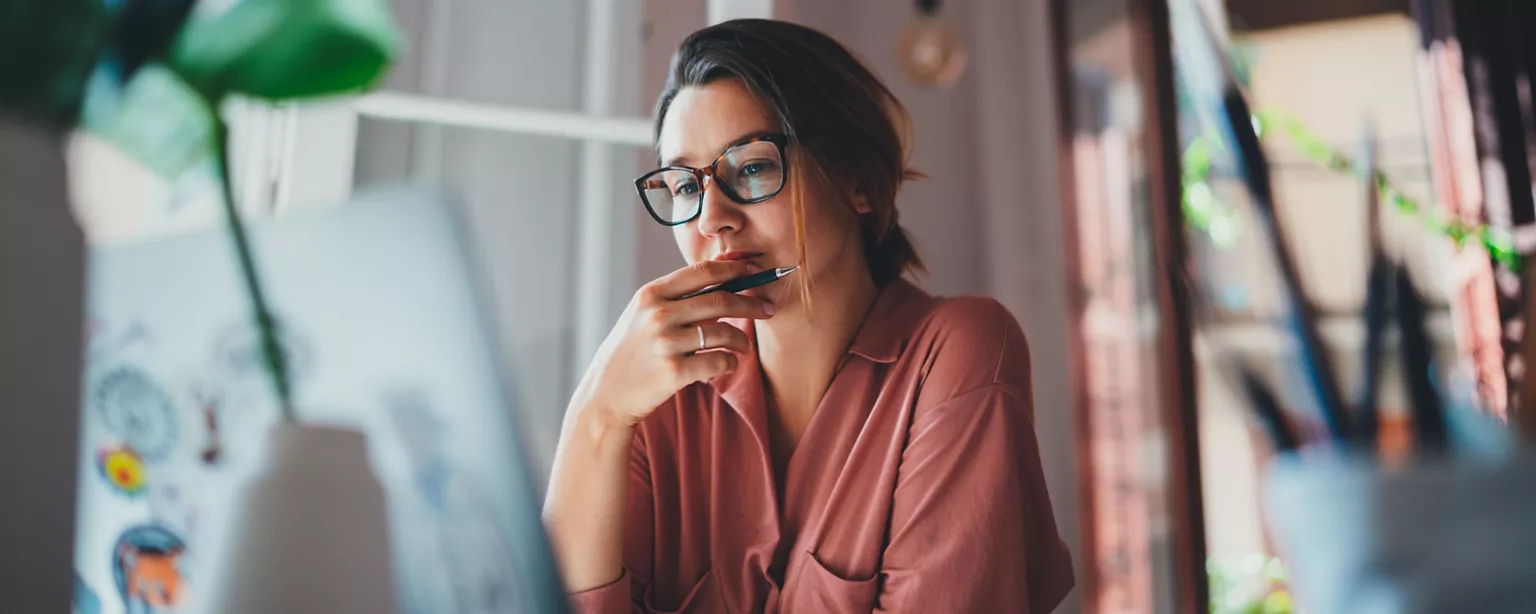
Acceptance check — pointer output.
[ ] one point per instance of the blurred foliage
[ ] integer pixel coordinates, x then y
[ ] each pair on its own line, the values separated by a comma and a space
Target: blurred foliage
150, 76
1206, 212
48, 49
1254, 584
1219, 220
1498, 244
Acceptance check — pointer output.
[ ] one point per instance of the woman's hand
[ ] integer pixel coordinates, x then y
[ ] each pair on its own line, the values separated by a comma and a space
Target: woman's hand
654, 350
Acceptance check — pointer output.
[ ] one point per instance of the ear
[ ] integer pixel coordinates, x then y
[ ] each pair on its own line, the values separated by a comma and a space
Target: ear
860, 203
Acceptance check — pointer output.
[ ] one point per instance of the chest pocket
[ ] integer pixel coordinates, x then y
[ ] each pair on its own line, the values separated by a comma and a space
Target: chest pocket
819, 589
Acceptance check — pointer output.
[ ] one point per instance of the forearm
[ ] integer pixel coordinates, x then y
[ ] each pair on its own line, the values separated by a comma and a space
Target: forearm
584, 510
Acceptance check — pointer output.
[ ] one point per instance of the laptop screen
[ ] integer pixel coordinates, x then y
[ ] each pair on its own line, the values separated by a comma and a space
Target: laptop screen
383, 330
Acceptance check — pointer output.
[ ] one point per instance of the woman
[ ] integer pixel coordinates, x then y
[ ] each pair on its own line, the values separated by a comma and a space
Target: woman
835, 441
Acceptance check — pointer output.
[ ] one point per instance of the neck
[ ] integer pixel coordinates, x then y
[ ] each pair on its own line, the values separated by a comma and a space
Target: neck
800, 352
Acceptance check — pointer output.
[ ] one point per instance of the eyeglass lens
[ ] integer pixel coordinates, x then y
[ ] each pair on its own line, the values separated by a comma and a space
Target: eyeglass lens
746, 173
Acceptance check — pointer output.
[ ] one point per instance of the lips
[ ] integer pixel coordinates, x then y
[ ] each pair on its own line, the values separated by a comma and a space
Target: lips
736, 255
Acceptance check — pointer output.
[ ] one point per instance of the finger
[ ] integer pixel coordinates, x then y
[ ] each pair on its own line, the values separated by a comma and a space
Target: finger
713, 306
706, 365
700, 275
717, 336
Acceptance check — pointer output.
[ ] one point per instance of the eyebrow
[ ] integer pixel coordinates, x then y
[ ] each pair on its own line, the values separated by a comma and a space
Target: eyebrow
677, 160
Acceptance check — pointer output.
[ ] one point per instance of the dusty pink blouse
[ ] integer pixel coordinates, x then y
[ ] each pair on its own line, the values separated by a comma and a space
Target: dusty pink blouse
916, 486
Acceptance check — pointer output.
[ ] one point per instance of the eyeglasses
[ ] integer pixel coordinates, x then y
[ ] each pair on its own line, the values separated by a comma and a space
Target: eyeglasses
751, 171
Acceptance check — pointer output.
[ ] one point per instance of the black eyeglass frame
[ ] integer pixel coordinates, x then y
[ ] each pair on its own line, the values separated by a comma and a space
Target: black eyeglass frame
779, 141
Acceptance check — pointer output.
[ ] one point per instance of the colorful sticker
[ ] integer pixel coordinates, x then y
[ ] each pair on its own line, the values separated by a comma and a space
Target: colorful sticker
138, 409
122, 468
213, 446
148, 565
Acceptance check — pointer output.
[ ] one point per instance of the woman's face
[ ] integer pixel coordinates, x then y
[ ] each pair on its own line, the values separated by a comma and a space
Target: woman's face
704, 121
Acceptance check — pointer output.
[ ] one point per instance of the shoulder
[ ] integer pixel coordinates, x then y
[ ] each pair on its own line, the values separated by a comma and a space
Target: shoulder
967, 343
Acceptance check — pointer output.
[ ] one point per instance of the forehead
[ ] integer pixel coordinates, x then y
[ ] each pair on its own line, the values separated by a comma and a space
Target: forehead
703, 120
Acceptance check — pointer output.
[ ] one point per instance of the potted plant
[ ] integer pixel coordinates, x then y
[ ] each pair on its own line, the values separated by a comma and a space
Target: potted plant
113, 67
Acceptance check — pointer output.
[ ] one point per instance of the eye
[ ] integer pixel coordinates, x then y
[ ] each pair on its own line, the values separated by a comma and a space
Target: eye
688, 188
758, 167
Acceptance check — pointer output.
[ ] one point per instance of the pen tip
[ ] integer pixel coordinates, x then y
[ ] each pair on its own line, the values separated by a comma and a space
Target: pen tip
787, 270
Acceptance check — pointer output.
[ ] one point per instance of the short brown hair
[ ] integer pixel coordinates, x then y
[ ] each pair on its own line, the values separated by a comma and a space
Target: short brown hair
839, 118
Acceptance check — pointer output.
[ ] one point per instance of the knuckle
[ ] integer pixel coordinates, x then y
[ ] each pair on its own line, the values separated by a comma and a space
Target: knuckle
658, 317
648, 293
672, 368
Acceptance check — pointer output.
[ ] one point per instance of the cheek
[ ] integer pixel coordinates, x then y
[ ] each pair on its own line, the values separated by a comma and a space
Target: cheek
689, 243
775, 221
829, 223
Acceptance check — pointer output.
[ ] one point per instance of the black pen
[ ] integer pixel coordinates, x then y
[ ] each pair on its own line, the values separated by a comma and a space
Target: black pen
746, 283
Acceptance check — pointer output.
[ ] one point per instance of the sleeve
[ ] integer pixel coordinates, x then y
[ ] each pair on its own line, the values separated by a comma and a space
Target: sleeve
626, 594
971, 526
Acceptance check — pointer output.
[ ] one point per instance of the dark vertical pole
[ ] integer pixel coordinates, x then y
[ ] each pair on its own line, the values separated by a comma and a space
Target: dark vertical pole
1479, 59
1152, 47
1175, 370
42, 328
1490, 33
1061, 62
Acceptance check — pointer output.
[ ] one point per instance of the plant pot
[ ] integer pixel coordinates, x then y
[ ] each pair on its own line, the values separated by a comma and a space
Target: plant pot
1442, 537
42, 286
308, 530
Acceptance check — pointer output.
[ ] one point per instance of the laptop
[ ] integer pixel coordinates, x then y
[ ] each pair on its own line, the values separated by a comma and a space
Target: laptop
381, 321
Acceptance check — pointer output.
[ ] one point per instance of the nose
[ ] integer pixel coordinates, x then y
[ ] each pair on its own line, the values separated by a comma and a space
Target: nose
719, 214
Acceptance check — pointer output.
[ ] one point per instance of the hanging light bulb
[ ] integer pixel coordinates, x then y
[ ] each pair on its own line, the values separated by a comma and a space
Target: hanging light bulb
930, 52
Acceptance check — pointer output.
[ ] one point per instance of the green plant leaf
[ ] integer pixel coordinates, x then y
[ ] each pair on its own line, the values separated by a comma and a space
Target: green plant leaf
287, 49
155, 119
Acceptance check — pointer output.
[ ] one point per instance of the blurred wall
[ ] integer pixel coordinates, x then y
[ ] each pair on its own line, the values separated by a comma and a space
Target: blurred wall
520, 193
